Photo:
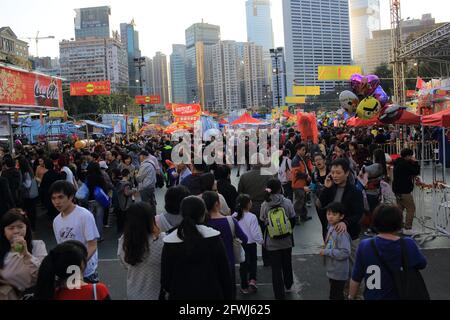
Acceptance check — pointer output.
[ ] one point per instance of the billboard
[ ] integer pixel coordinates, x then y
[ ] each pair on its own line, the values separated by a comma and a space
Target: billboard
336, 73
295, 100
148, 99
186, 112
306, 91
21, 88
90, 88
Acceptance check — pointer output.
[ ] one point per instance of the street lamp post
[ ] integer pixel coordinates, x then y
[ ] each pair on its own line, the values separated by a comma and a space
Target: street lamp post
139, 63
275, 53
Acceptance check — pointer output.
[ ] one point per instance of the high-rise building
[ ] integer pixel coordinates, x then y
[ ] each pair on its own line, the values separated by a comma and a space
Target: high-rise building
259, 24
160, 77
227, 89
92, 22
279, 80
130, 41
199, 37
316, 32
364, 18
379, 48
94, 60
253, 76
260, 31
147, 77
178, 74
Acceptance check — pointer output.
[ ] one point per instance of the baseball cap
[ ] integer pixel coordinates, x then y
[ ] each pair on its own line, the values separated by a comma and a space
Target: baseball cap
103, 165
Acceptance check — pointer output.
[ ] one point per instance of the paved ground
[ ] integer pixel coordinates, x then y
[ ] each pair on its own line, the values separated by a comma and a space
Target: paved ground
309, 273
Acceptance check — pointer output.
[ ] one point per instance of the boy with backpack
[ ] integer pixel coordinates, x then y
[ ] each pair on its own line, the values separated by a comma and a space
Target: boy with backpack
336, 252
278, 214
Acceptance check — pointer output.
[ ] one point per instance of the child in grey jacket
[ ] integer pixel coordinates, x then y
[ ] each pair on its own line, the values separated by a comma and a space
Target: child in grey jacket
336, 252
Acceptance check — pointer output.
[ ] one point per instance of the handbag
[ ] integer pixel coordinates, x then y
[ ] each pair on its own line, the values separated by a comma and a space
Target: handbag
101, 197
83, 192
238, 251
33, 191
408, 282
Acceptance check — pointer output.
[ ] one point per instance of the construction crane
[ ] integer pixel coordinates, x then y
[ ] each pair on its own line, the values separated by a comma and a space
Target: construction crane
397, 61
37, 38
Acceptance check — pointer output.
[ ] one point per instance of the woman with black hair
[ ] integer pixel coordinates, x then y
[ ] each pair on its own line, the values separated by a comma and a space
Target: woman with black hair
62, 271
20, 255
94, 179
30, 190
208, 183
172, 217
140, 250
222, 174
194, 262
276, 211
48, 179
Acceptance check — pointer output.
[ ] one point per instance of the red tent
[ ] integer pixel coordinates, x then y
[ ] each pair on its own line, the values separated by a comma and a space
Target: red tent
245, 119
223, 121
407, 118
440, 119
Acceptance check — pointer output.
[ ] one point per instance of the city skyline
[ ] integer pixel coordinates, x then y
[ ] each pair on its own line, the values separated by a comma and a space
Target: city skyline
61, 13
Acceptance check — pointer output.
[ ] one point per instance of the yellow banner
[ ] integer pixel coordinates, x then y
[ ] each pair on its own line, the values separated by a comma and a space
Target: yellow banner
306, 91
337, 73
295, 100
56, 114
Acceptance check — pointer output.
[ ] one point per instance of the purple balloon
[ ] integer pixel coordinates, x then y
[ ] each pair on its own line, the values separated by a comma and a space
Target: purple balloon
381, 96
355, 82
373, 82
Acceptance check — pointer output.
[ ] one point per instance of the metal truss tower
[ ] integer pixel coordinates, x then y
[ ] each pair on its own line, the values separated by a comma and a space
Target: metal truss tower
397, 62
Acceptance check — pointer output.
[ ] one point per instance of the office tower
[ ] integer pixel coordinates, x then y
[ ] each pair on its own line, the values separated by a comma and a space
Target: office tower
178, 73
160, 77
316, 32
364, 19
92, 22
253, 75
130, 42
147, 77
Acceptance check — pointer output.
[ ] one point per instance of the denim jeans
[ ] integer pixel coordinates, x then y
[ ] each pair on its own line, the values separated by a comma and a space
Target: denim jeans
98, 211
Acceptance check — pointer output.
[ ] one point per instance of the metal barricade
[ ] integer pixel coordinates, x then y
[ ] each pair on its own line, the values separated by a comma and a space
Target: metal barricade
428, 150
442, 204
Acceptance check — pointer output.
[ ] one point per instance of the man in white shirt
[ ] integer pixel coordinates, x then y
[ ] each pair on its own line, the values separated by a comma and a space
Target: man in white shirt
75, 223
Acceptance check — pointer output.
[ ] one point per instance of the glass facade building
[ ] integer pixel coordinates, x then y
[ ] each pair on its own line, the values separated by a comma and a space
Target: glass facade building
92, 22
178, 73
130, 41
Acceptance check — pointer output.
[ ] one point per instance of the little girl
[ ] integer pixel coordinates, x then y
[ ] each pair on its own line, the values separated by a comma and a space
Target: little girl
249, 224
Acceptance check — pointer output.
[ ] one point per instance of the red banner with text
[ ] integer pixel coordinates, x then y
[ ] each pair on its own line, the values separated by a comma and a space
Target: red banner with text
148, 99
186, 112
23, 89
90, 88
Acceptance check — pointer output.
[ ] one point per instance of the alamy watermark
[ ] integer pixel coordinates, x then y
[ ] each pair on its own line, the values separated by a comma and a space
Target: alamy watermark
262, 146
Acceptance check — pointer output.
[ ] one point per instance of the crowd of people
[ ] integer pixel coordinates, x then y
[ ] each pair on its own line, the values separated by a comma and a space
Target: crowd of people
208, 226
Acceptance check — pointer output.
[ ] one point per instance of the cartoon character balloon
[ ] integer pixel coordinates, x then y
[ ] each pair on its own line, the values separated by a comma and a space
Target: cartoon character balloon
348, 101
368, 108
391, 113
364, 86
381, 96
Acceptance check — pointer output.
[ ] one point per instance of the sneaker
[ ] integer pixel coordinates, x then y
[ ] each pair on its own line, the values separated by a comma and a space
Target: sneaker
252, 286
408, 232
244, 291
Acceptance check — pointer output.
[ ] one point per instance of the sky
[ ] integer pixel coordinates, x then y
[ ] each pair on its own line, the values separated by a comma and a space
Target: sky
162, 23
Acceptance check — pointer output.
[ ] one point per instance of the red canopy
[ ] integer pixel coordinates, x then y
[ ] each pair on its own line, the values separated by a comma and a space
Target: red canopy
245, 119
223, 121
405, 119
440, 119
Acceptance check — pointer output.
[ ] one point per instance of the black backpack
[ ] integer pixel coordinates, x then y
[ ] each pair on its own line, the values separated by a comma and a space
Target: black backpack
408, 282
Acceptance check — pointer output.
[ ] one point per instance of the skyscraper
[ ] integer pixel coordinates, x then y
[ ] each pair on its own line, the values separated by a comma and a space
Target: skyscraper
259, 24
227, 89
316, 32
199, 37
160, 77
178, 73
365, 18
92, 22
130, 41
147, 77
279, 81
253, 75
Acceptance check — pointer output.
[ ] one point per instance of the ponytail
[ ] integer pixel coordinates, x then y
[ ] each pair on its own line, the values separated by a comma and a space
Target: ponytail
273, 187
242, 202
193, 211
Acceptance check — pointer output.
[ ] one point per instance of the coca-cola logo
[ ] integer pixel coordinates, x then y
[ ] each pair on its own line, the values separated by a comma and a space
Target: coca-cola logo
46, 92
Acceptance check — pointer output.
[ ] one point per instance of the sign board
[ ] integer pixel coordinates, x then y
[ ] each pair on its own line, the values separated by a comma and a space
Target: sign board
56, 114
186, 112
336, 73
295, 100
306, 91
21, 88
148, 99
90, 88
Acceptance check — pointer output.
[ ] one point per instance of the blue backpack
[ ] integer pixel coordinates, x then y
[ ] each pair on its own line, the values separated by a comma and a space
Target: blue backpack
101, 197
